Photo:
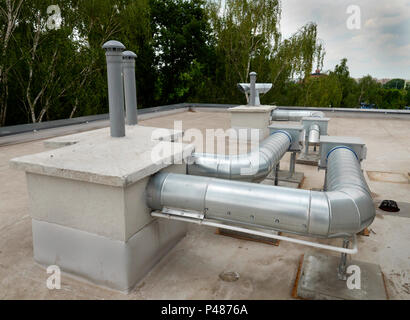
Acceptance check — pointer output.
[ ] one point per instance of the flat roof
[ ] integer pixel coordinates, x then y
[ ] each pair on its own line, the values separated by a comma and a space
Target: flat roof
191, 269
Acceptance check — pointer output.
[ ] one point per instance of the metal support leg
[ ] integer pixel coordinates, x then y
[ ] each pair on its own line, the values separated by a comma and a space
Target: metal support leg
341, 272
292, 164
276, 174
306, 145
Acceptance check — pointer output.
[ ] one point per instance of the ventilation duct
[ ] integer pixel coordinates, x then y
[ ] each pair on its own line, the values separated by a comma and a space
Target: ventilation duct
294, 115
253, 166
344, 209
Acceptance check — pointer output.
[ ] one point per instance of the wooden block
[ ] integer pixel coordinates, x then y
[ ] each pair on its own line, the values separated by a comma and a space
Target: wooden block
365, 232
295, 285
248, 237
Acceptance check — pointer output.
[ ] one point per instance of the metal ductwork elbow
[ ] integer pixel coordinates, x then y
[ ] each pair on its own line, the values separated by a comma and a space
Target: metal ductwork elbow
350, 201
253, 166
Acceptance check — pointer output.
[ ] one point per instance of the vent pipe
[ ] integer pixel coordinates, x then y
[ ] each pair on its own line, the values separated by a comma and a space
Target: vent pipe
252, 96
113, 53
130, 90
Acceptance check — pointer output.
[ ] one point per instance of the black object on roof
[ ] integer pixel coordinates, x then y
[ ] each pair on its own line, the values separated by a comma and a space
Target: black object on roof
389, 205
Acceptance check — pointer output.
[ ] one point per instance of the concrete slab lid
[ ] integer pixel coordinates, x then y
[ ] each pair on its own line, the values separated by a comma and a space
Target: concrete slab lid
106, 160
286, 126
341, 139
131, 131
251, 109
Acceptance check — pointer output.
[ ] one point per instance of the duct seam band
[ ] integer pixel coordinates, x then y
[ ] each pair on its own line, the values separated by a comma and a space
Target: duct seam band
341, 147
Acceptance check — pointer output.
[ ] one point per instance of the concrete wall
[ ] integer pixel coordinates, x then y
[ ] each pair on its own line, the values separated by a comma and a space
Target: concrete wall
102, 233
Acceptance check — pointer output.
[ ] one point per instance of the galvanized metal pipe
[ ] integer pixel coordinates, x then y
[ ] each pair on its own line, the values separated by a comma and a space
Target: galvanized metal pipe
253, 166
292, 164
294, 115
130, 89
113, 53
344, 209
260, 232
252, 96
314, 134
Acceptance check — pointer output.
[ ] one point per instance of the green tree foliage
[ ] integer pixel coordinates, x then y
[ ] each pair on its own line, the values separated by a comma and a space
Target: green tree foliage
322, 91
248, 38
60, 72
407, 99
188, 50
394, 84
181, 40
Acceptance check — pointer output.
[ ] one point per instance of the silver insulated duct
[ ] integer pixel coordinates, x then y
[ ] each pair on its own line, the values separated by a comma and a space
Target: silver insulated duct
253, 166
344, 209
314, 134
294, 115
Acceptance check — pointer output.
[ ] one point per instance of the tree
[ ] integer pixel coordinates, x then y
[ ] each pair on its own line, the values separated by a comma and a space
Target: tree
46, 89
244, 30
248, 39
10, 13
368, 90
408, 96
295, 58
394, 84
324, 91
347, 84
182, 46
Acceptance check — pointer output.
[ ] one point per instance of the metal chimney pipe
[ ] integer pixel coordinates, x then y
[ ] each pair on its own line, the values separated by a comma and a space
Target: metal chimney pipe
252, 98
130, 90
113, 53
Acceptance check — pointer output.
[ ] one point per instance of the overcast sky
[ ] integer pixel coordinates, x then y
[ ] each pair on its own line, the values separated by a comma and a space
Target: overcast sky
381, 47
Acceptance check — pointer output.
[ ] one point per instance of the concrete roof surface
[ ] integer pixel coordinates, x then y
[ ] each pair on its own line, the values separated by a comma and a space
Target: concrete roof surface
191, 270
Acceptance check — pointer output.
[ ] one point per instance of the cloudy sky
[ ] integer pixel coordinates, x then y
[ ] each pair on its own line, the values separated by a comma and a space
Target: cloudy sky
381, 47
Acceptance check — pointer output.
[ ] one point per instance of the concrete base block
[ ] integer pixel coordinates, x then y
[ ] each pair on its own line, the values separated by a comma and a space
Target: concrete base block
248, 134
111, 263
318, 280
247, 118
311, 159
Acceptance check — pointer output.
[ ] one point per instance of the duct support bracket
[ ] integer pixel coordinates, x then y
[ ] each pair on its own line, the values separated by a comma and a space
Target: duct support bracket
307, 122
328, 143
294, 130
321, 124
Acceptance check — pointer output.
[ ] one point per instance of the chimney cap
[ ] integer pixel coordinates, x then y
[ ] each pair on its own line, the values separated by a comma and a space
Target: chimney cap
129, 55
113, 45
253, 73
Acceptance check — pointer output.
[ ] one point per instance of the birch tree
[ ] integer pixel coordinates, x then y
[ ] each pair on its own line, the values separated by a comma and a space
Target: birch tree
9, 14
